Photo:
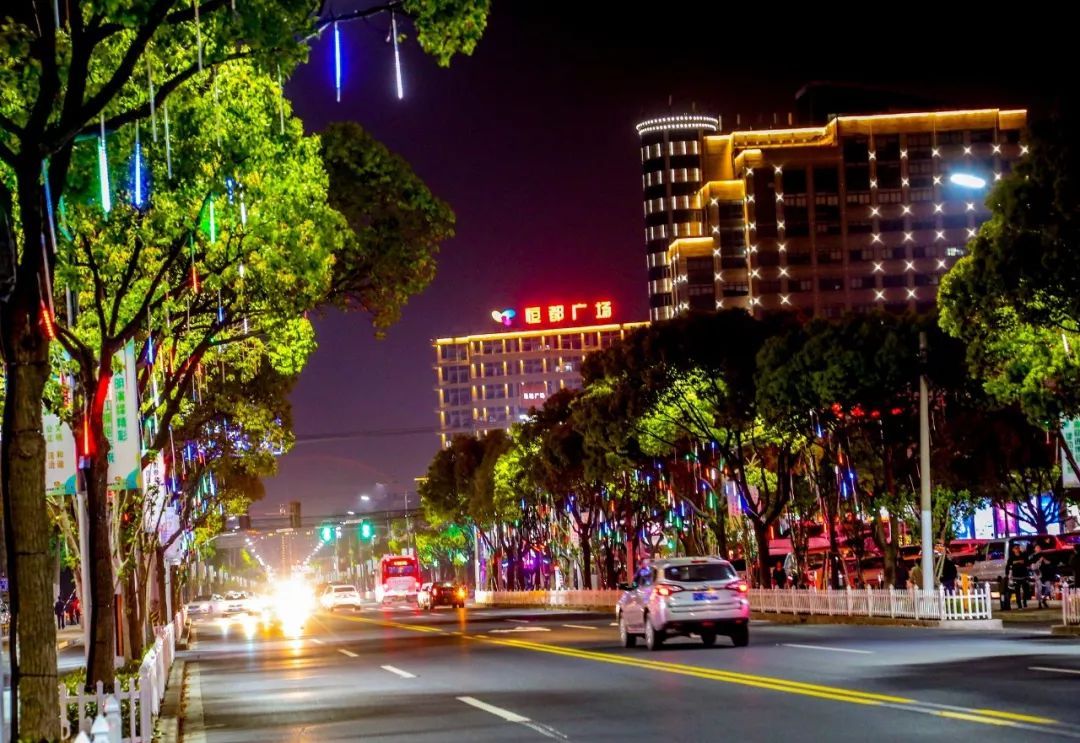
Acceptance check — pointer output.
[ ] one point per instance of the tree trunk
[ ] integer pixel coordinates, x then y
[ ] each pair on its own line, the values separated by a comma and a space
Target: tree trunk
585, 538
32, 646
102, 651
761, 535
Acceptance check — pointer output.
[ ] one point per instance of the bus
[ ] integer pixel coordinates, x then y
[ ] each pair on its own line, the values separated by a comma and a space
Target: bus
399, 579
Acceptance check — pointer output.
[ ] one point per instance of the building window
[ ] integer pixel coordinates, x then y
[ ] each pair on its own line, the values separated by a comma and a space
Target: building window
494, 391
799, 257
927, 279
804, 285
859, 197
700, 290
830, 284
771, 286
736, 289
491, 347
865, 254
533, 343
954, 252
457, 396
570, 342
794, 180
608, 339
826, 180
894, 281
862, 282
493, 369
459, 419
830, 255
455, 374
453, 352
533, 366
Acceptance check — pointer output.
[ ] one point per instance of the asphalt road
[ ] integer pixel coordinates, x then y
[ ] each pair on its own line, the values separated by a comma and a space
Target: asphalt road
501, 675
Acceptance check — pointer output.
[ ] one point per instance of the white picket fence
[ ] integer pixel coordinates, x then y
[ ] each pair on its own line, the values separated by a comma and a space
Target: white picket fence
1070, 606
143, 698
891, 603
599, 598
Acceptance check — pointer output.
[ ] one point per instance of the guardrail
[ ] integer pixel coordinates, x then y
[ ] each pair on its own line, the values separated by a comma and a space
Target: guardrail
589, 598
128, 713
891, 603
1070, 606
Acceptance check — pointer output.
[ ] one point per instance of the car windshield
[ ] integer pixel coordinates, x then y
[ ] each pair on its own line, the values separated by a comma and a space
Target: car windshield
397, 571
699, 573
344, 589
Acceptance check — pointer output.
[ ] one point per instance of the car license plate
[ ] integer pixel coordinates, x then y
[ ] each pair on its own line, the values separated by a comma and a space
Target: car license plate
706, 597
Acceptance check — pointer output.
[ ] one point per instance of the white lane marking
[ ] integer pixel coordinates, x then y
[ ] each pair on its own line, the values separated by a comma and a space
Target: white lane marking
349, 653
519, 621
579, 626
316, 641
613, 624
492, 709
546, 731
398, 671
822, 647
1054, 670
518, 629
194, 724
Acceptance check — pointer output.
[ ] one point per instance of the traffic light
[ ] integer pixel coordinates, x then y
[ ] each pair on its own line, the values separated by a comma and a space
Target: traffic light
326, 533
367, 531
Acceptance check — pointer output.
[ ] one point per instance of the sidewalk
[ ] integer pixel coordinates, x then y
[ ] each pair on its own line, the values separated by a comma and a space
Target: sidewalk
65, 638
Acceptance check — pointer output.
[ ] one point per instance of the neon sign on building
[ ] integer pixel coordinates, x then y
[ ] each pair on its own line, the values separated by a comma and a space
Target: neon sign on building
546, 315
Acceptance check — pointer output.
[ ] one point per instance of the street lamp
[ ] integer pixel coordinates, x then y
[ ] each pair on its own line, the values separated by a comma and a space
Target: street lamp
365, 498
967, 180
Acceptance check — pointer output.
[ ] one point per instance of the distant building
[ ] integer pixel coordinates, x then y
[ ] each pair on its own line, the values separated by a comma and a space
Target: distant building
492, 380
863, 211
670, 182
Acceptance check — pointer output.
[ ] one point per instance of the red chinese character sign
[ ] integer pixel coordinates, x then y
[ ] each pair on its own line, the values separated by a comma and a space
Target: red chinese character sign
556, 314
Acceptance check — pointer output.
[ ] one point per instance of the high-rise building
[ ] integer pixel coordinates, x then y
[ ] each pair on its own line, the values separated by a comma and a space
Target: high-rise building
863, 211
492, 380
670, 181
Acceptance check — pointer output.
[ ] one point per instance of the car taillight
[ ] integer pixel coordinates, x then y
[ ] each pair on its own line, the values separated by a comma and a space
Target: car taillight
739, 586
665, 590
461, 592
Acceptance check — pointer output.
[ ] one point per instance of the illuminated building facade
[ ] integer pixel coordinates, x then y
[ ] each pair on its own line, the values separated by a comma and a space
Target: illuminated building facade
670, 181
861, 212
492, 380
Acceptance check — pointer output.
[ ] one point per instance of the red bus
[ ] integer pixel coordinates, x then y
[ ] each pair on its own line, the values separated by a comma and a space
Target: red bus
399, 579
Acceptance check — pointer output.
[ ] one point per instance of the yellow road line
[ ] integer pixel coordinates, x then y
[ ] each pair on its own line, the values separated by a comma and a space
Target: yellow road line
975, 718
398, 625
1016, 716
832, 693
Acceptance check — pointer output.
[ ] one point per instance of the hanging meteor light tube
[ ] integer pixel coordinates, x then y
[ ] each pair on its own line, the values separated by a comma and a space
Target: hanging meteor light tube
337, 61
397, 56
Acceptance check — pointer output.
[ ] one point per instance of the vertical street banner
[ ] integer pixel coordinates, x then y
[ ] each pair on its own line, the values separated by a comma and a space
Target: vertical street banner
60, 461
154, 494
121, 420
1070, 431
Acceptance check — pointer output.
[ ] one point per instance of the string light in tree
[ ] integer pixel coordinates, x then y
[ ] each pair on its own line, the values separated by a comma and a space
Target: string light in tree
198, 34
103, 169
337, 61
168, 142
397, 56
139, 186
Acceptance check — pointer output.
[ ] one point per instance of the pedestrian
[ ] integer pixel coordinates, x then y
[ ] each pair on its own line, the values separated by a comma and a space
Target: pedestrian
76, 609
915, 577
901, 575
779, 575
1017, 573
1047, 576
948, 573
58, 609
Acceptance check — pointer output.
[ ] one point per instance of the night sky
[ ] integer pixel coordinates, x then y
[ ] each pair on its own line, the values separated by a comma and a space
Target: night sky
531, 141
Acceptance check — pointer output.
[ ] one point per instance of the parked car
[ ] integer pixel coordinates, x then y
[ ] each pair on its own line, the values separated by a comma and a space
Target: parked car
701, 596
338, 595
205, 605
988, 565
445, 593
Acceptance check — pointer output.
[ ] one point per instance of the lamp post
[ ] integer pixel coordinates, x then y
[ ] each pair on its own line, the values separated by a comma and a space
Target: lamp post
924, 472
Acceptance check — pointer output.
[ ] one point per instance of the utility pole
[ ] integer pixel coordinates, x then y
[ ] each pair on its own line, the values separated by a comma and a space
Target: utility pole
924, 472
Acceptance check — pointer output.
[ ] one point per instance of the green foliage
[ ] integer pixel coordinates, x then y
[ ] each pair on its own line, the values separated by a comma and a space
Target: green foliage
448, 27
396, 224
1015, 299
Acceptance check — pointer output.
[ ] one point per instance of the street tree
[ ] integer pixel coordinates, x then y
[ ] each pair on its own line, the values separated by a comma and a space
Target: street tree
62, 72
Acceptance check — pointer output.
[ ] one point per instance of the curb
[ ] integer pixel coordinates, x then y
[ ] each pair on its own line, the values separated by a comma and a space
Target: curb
1065, 630
167, 728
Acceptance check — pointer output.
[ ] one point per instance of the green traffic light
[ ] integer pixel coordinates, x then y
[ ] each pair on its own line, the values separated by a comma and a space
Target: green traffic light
366, 530
327, 533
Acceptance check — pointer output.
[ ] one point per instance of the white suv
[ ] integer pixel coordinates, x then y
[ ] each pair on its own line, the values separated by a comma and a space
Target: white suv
702, 596
340, 595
